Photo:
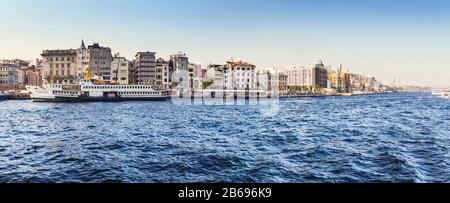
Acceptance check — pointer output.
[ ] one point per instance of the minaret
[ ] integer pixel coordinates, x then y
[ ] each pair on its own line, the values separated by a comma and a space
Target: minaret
82, 44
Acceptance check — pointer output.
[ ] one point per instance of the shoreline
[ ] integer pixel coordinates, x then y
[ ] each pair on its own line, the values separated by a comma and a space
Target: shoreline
15, 98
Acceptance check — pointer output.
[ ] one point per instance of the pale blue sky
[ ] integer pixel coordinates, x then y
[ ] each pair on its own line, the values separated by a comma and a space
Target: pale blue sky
385, 38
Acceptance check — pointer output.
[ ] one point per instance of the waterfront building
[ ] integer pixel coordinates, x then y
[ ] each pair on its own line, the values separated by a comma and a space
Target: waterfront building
214, 78
282, 84
145, 68
119, 70
59, 66
201, 75
131, 72
26, 74
83, 60
340, 81
34, 77
38, 64
22, 76
9, 75
267, 79
307, 78
162, 74
194, 78
299, 76
233, 75
99, 58
264, 80
22, 67
271, 80
17, 62
319, 76
178, 62
358, 82
240, 75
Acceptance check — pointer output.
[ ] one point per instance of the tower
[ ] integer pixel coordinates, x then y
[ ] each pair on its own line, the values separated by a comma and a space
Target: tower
82, 44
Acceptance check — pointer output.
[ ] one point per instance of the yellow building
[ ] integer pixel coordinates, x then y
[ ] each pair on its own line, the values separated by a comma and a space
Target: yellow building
340, 82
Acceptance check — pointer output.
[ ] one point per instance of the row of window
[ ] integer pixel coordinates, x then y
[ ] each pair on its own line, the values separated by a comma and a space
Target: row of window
117, 87
57, 65
139, 93
62, 73
6, 69
239, 80
232, 76
121, 71
61, 59
122, 78
245, 69
65, 92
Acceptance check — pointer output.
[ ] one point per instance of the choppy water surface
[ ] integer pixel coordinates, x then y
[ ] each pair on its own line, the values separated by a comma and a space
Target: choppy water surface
395, 138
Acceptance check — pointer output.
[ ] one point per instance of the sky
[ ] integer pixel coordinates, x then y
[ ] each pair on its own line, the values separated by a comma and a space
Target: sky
408, 40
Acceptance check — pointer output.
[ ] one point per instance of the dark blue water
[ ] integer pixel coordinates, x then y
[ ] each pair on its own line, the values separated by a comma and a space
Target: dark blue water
393, 138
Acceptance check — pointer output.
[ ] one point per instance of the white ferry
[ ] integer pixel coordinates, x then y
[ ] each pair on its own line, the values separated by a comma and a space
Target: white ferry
90, 92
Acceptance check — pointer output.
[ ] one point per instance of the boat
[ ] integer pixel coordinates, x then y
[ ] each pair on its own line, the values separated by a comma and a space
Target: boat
445, 94
87, 91
3, 97
18, 95
436, 93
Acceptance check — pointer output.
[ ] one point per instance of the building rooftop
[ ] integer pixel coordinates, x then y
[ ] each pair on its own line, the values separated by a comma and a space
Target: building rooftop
145, 53
239, 63
59, 52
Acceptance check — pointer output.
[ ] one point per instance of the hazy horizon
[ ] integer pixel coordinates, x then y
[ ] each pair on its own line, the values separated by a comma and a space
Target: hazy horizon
406, 40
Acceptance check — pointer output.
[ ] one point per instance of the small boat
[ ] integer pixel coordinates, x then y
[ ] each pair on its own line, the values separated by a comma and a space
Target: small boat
445, 94
436, 93
18, 95
3, 96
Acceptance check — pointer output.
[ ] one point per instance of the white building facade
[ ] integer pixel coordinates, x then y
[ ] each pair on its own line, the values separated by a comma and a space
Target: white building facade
300, 76
194, 76
59, 66
240, 75
119, 70
233, 75
162, 74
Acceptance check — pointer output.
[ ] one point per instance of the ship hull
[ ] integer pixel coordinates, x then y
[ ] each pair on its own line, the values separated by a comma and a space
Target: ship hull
98, 99
95, 93
3, 97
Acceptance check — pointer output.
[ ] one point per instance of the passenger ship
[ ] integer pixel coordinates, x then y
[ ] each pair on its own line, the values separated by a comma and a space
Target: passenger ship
86, 91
